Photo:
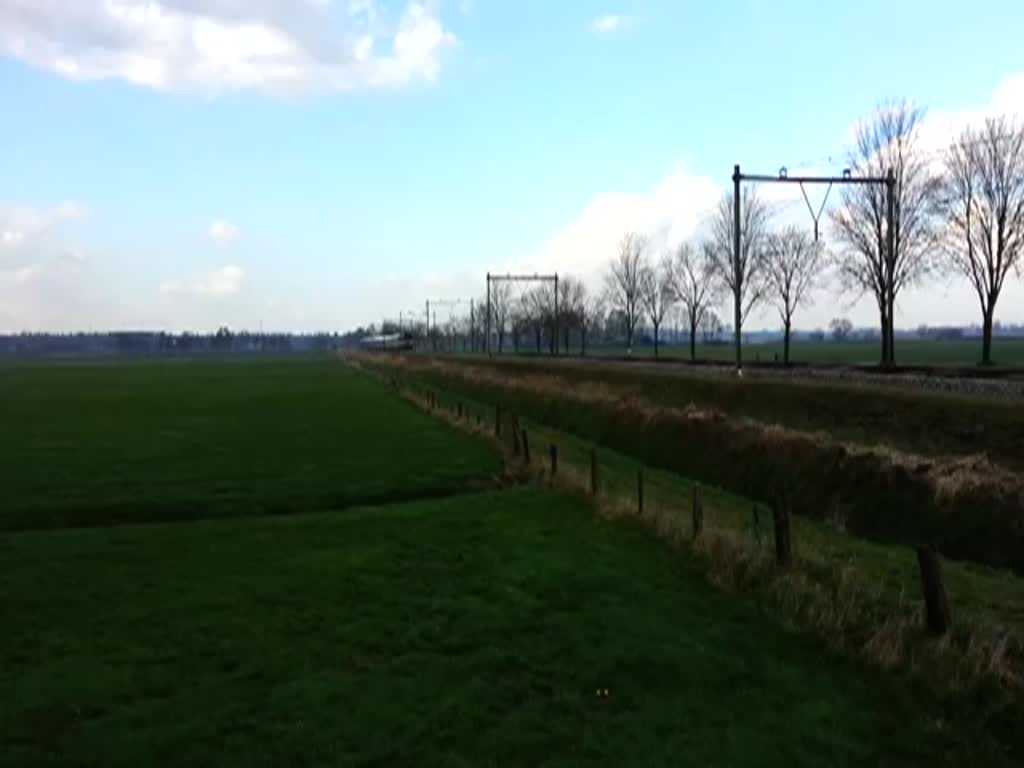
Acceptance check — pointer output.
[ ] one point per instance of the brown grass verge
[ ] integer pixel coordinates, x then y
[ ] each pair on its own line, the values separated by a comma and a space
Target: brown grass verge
970, 507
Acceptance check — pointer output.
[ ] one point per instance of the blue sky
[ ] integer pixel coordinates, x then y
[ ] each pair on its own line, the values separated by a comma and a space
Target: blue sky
306, 164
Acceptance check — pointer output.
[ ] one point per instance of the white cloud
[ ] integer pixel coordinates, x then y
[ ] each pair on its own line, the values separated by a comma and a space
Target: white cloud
223, 232
11, 237
43, 276
940, 127
671, 211
604, 25
272, 45
226, 281
24, 225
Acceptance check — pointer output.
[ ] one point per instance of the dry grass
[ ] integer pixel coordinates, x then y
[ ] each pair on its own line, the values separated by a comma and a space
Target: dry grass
972, 508
949, 476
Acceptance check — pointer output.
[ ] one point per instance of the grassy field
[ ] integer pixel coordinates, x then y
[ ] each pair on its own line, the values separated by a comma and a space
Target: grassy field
468, 631
473, 629
93, 444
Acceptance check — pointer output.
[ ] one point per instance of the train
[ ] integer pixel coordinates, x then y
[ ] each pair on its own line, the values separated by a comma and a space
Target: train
387, 342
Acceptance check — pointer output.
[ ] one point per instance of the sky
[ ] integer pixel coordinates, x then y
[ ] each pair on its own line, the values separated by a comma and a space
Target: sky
320, 164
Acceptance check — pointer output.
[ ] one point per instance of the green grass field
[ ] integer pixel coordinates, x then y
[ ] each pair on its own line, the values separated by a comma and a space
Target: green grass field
468, 631
93, 444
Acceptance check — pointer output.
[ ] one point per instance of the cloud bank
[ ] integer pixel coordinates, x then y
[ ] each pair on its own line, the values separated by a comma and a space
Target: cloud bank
270, 45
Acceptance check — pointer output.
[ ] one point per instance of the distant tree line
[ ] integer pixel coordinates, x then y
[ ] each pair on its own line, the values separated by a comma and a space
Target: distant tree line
163, 344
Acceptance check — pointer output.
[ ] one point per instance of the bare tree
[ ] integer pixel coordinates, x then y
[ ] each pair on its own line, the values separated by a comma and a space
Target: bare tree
983, 200
888, 142
656, 294
693, 284
743, 277
841, 328
592, 318
711, 326
501, 309
794, 265
479, 322
622, 283
571, 297
536, 311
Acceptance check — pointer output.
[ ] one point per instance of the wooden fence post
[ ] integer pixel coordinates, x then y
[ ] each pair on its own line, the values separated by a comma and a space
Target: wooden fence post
497, 421
593, 472
640, 490
515, 437
554, 459
460, 410
936, 604
698, 511
783, 540
526, 447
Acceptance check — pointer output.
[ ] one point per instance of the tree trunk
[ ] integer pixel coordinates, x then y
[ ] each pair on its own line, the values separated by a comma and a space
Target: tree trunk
785, 344
656, 341
536, 333
885, 336
583, 341
891, 311
986, 337
693, 342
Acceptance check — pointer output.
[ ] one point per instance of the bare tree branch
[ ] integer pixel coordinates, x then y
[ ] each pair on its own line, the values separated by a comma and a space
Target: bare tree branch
656, 295
571, 298
888, 141
693, 283
983, 202
744, 279
501, 309
793, 267
622, 283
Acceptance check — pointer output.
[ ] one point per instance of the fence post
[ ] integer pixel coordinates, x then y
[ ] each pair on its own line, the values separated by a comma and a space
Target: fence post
640, 490
497, 421
554, 459
783, 540
460, 410
698, 511
936, 605
593, 472
515, 437
526, 447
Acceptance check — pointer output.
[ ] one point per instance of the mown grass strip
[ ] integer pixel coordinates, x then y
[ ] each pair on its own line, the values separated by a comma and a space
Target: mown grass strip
102, 444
